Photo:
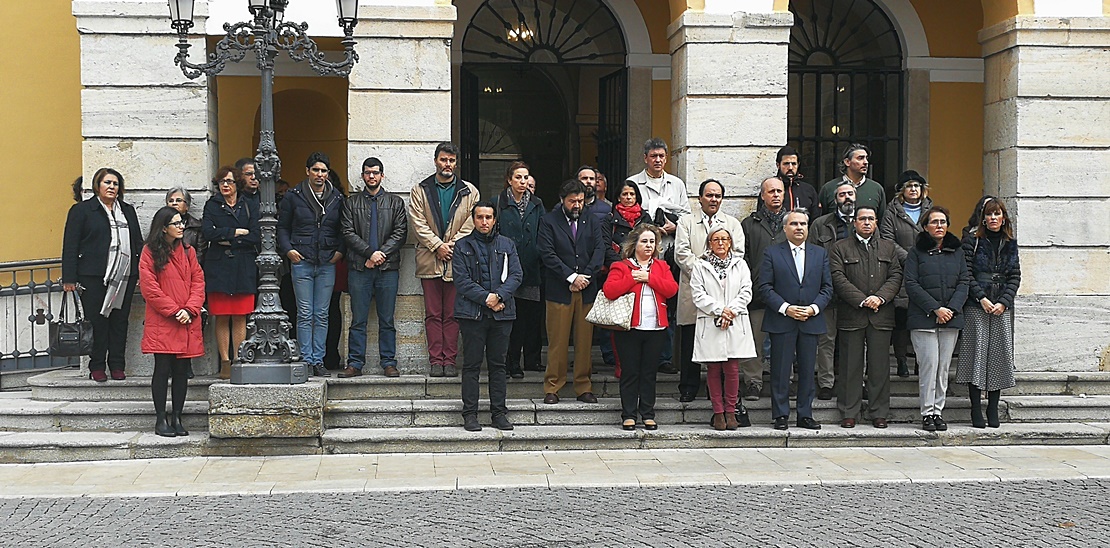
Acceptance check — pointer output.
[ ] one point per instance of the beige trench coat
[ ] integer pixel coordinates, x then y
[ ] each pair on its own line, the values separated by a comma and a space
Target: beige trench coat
711, 295
689, 245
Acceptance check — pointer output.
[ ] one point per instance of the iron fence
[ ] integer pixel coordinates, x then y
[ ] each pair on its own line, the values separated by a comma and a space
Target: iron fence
30, 296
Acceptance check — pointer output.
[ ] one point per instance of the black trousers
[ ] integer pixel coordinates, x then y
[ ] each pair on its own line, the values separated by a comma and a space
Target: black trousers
689, 380
526, 332
486, 338
109, 334
639, 353
332, 358
168, 366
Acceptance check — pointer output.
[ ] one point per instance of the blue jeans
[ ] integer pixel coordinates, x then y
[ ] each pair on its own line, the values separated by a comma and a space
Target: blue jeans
381, 287
312, 284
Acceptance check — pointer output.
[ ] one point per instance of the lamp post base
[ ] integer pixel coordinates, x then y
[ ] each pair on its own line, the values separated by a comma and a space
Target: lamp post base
269, 373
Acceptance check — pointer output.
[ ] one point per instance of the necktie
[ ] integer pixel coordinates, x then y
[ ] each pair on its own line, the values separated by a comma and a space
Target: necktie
373, 224
799, 262
574, 230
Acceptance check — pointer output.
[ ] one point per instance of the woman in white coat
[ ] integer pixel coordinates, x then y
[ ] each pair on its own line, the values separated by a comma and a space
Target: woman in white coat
721, 286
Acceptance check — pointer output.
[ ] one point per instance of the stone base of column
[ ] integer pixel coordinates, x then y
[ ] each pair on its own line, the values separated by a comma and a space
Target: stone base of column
266, 410
269, 373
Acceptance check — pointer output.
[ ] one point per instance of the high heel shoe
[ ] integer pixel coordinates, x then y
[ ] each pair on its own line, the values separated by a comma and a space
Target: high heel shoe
628, 424
225, 369
718, 421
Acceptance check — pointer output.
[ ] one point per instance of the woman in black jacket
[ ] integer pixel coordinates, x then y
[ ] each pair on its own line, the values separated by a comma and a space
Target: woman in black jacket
230, 274
627, 214
936, 282
100, 255
518, 219
987, 347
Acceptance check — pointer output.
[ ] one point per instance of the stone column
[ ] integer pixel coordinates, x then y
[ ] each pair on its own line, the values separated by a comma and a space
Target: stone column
1047, 143
728, 90
142, 117
400, 107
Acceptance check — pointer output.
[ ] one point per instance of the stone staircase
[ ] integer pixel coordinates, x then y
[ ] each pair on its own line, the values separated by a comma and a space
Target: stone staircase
65, 416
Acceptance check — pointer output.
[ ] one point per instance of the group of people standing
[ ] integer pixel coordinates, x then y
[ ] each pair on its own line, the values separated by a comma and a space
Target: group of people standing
812, 271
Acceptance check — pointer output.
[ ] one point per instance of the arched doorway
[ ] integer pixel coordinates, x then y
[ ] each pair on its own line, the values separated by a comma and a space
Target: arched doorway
846, 85
544, 81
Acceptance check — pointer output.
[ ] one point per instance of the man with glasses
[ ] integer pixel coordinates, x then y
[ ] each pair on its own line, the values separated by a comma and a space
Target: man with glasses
866, 276
375, 226
247, 169
855, 166
308, 234
689, 247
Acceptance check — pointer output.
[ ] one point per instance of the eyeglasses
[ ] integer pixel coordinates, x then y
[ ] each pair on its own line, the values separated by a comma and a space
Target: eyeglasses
227, 181
938, 222
372, 173
720, 240
178, 224
175, 201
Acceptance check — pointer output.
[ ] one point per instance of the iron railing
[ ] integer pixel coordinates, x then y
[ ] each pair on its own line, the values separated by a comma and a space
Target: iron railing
30, 296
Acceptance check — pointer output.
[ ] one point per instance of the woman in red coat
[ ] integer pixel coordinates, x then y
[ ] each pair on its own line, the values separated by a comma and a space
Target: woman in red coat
642, 273
173, 286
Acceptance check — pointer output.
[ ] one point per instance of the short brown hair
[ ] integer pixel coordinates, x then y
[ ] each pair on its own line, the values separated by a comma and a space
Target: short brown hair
224, 170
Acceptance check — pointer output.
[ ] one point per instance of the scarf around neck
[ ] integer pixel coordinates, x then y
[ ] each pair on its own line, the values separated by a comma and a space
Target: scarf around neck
631, 214
774, 218
118, 270
720, 266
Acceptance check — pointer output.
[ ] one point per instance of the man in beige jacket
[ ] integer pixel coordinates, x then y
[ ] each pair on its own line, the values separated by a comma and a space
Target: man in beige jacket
439, 215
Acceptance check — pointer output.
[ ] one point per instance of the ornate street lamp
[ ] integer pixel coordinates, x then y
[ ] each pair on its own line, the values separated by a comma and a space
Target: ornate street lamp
267, 355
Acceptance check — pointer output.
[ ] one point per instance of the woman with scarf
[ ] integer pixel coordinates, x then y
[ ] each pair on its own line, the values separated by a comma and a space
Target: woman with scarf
518, 219
628, 213
900, 225
986, 360
721, 286
643, 273
173, 286
230, 273
100, 257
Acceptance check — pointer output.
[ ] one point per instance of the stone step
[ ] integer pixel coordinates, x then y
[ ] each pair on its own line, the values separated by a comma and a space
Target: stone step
70, 385
85, 446
26, 415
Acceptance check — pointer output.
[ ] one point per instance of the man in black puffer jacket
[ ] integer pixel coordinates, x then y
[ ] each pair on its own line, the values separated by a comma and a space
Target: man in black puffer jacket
308, 234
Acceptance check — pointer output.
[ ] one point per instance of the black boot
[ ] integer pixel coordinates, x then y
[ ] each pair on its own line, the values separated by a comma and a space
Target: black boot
976, 396
992, 409
178, 428
903, 368
161, 427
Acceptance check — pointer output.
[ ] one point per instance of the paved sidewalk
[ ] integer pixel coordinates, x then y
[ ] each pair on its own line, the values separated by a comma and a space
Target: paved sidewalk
551, 469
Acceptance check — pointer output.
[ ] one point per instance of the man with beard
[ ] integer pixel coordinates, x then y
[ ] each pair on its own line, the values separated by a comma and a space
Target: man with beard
825, 232
572, 248
762, 229
797, 192
601, 209
439, 213
869, 193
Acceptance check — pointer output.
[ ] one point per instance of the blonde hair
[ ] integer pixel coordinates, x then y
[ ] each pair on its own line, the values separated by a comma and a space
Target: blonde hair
628, 247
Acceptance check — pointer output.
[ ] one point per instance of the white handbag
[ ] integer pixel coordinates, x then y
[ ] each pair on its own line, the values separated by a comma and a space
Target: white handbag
615, 314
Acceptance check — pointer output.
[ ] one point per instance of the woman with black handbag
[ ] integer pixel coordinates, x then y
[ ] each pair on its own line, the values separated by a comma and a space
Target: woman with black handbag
173, 286
642, 273
100, 253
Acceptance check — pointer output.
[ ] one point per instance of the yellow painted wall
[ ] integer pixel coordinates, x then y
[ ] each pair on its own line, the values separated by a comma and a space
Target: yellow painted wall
656, 20
661, 110
950, 36
40, 109
309, 114
996, 11
956, 147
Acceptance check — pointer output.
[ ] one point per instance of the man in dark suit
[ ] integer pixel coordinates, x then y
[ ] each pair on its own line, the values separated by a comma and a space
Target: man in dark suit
572, 247
796, 286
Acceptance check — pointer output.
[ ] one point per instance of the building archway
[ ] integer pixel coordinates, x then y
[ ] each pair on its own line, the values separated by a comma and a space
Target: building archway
548, 77
846, 85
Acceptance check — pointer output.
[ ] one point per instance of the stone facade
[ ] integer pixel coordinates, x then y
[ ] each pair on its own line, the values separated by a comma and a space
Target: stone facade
1047, 97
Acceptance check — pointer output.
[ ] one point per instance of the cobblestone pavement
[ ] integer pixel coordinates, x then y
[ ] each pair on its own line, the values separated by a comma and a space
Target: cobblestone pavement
1051, 514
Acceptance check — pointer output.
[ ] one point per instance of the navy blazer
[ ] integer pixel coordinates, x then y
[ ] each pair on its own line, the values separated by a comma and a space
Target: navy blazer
779, 283
563, 255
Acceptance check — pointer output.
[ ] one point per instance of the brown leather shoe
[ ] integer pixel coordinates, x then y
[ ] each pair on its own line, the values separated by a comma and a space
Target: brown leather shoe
730, 421
847, 423
349, 372
879, 423
718, 421
587, 397
551, 398
391, 371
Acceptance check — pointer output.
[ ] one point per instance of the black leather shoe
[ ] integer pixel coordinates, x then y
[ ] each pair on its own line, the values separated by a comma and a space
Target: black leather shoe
687, 397
780, 423
939, 424
501, 422
470, 423
162, 427
668, 368
927, 424
903, 368
319, 370
808, 423
178, 428
587, 397
516, 373
825, 393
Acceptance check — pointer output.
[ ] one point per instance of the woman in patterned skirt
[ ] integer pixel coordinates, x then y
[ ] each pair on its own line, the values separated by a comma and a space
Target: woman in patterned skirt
986, 361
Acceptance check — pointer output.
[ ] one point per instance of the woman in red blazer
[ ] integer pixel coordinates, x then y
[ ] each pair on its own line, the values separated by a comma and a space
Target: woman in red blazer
173, 286
642, 273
